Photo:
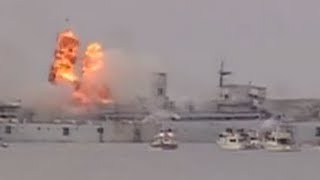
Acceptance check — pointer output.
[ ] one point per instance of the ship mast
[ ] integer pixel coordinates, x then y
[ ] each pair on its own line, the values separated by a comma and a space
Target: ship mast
222, 73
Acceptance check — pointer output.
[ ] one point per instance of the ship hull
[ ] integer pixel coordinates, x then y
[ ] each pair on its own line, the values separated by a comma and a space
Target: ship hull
191, 131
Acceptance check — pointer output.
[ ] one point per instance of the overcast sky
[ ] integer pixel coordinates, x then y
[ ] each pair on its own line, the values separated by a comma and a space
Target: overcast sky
273, 43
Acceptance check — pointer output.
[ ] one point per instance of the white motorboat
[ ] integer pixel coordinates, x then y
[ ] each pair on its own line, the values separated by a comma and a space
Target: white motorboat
165, 140
280, 139
233, 140
4, 145
254, 139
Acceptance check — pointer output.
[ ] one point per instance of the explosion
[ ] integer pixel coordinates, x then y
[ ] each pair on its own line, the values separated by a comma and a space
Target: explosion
88, 86
65, 56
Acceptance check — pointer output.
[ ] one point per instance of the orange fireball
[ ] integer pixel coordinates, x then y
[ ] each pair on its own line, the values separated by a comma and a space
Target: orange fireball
89, 87
65, 56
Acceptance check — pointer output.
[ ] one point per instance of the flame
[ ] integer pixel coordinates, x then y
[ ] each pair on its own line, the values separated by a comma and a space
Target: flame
93, 61
91, 88
88, 88
65, 56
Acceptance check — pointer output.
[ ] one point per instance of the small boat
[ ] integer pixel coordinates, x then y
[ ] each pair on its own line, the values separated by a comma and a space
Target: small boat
254, 139
165, 140
280, 139
233, 140
4, 145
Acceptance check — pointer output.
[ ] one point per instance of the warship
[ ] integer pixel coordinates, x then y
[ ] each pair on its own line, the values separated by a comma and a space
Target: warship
109, 120
237, 105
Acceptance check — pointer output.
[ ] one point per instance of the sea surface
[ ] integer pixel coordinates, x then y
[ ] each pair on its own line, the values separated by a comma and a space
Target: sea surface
67, 161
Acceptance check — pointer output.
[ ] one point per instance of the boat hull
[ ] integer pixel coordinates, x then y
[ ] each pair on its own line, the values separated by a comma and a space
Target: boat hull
232, 146
165, 145
280, 148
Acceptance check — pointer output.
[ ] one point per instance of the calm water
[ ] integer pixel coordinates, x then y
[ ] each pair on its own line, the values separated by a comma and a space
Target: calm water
139, 162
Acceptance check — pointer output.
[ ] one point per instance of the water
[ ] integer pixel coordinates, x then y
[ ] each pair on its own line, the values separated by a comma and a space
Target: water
139, 162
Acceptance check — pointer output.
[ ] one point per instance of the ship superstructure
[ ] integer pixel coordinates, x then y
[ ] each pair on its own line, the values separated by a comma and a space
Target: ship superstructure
234, 102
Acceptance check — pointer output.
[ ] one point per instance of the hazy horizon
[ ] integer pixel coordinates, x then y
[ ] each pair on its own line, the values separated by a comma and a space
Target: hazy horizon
271, 43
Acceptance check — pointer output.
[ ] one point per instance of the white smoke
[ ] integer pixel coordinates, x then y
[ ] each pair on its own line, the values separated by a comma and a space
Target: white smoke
129, 73
269, 124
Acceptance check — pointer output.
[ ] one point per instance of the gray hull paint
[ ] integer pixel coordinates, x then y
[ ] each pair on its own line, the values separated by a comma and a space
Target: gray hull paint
191, 131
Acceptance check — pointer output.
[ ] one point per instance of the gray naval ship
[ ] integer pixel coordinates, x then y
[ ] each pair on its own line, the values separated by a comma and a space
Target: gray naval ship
237, 106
